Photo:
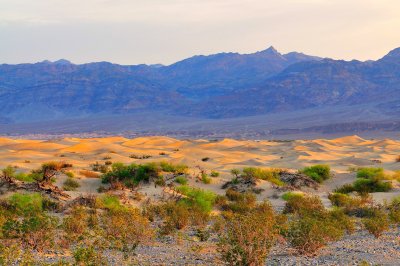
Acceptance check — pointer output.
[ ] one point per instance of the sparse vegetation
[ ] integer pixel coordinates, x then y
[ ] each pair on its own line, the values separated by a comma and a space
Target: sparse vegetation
247, 238
214, 174
89, 174
319, 172
70, 184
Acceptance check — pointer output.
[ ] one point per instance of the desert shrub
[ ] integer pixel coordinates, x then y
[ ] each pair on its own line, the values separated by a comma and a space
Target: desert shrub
70, 184
394, 210
233, 195
377, 223
48, 170
132, 174
109, 202
174, 168
205, 159
175, 215
345, 189
103, 168
220, 201
398, 159
205, 178
371, 173
160, 181
203, 234
197, 197
367, 185
76, 223
16, 255
312, 226
89, 256
214, 174
240, 202
125, 229
247, 238
309, 233
89, 174
69, 174
352, 205
8, 173
396, 175
272, 175
181, 180
24, 177
26, 203
290, 194
35, 231
319, 172
140, 157
304, 205
107, 163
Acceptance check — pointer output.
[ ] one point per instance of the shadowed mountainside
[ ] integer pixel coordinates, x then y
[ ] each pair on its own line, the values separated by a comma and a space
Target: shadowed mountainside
221, 86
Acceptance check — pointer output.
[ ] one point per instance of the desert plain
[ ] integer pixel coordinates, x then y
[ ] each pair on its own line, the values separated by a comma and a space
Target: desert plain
343, 155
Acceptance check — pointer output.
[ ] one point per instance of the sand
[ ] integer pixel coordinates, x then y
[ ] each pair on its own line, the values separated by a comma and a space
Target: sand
223, 155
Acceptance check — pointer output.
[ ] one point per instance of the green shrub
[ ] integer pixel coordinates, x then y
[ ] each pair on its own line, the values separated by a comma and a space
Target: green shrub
272, 175
24, 177
181, 180
371, 173
70, 184
70, 174
290, 194
89, 256
205, 178
214, 174
367, 185
198, 197
174, 168
318, 172
109, 202
26, 204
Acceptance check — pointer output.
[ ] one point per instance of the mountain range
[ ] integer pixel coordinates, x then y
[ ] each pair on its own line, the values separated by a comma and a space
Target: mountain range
264, 85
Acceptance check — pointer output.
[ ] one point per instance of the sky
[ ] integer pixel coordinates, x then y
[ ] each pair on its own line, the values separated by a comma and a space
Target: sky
165, 31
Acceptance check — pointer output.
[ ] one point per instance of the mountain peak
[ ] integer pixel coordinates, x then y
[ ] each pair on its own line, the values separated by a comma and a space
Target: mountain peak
62, 62
393, 54
271, 50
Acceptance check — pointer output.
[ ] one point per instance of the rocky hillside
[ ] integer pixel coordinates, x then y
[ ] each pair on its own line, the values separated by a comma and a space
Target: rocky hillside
226, 85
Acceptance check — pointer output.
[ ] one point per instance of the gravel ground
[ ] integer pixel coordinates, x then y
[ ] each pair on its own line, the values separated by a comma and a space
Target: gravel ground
351, 250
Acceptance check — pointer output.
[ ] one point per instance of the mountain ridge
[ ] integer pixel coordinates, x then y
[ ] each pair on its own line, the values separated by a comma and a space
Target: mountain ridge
223, 85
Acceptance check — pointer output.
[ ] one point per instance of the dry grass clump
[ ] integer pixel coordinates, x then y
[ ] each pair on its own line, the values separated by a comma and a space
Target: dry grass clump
70, 184
89, 174
312, 226
247, 238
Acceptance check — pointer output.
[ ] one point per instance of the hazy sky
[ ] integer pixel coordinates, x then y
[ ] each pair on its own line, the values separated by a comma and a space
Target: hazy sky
165, 31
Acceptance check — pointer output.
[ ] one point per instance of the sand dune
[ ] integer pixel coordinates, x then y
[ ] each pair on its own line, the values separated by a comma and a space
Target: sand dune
339, 153
222, 156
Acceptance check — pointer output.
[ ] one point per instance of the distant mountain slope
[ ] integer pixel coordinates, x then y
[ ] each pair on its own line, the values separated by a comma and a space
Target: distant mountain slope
226, 85
319, 83
56, 90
